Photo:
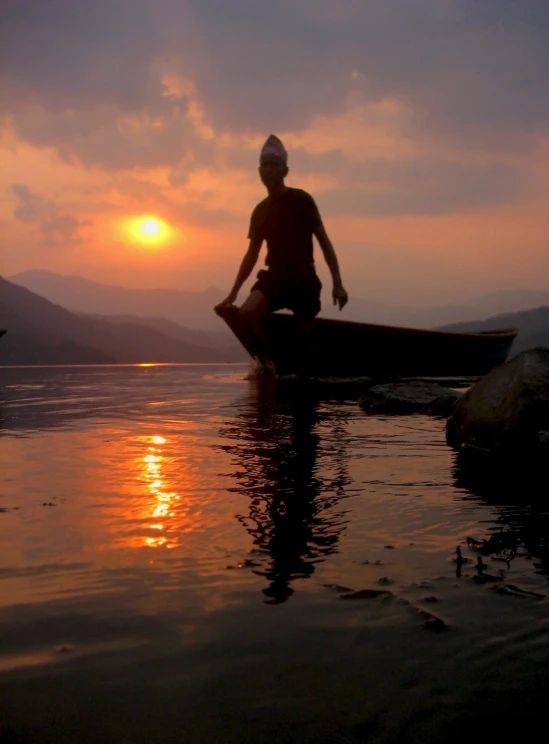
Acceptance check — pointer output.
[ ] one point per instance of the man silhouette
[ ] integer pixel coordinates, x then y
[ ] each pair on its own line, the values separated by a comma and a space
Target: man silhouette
286, 220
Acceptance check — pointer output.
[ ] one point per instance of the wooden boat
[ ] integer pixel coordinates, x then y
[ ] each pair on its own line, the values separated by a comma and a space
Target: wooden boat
340, 348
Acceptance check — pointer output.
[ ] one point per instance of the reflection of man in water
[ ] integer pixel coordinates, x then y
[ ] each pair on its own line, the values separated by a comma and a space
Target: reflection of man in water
290, 516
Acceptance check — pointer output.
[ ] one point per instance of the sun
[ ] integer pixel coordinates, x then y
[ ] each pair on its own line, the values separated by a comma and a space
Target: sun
148, 230
150, 226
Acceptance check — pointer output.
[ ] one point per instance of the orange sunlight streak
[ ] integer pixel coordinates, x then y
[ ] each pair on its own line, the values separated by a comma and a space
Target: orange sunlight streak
163, 500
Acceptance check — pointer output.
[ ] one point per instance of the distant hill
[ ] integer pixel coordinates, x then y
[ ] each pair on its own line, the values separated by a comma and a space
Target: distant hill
84, 296
211, 339
195, 309
41, 332
533, 327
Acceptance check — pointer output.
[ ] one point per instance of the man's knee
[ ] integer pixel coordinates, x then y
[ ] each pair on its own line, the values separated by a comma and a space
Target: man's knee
254, 307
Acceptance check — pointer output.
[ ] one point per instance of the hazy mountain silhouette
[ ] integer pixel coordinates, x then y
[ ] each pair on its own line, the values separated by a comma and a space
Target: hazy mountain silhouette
533, 327
41, 332
223, 341
194, 309
81, 295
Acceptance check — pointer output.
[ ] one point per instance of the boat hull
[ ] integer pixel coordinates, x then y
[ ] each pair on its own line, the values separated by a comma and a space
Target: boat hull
349, 349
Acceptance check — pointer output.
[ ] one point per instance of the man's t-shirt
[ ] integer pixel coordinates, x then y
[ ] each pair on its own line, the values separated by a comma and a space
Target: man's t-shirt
286, 222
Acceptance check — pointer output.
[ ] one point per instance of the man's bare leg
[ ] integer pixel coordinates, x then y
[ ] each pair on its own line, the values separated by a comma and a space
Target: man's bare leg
252, 311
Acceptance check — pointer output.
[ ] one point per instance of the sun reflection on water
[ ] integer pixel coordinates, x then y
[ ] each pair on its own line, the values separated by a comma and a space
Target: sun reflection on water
163, 503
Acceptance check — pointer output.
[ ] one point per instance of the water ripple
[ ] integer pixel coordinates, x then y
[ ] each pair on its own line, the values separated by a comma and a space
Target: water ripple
187, 529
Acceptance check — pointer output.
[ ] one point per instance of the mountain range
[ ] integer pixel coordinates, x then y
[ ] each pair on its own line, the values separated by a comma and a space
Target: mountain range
195, 309
533, 326
71, 320
42, 332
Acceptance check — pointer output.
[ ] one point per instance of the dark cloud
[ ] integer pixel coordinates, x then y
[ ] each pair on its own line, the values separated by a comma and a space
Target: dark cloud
421, 186
103, 137
461, 66
71, 70
74, 54
57, 227
31, 206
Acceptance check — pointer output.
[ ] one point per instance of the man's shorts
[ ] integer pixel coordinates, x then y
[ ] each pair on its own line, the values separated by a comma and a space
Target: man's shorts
298, 292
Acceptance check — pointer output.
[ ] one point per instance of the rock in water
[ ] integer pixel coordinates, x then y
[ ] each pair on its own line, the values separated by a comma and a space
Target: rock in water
409, 397
507, 409
543, 442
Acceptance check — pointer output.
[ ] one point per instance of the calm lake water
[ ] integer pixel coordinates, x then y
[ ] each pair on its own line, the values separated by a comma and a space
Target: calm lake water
178, 550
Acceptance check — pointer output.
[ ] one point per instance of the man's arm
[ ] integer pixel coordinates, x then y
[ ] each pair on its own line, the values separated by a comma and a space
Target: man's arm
246, 268
339, 294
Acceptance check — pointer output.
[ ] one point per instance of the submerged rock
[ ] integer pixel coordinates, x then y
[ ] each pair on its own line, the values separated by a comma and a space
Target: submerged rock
508, 409
516, 591
408, 398
432, 622
367, 594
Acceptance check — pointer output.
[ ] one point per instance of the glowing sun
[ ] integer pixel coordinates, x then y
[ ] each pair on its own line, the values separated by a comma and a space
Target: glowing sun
150, 226
148, 230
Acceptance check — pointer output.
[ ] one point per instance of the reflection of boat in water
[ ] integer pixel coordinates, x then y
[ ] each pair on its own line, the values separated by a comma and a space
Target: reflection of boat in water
292, 517
347, 349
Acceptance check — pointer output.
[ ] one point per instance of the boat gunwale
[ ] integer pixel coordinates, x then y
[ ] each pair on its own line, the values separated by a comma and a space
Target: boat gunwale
497, 333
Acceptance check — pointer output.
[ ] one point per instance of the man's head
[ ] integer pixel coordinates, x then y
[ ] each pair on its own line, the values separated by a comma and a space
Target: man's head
273, 163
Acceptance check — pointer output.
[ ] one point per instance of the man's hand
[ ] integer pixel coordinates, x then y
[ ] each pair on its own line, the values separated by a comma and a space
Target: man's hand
340, 296
229, 300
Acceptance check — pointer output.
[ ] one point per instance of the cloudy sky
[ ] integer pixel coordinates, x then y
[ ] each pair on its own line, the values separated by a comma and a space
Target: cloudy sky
421, 127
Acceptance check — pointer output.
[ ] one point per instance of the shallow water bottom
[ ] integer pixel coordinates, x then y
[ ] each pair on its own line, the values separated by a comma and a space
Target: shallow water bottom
316, 671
